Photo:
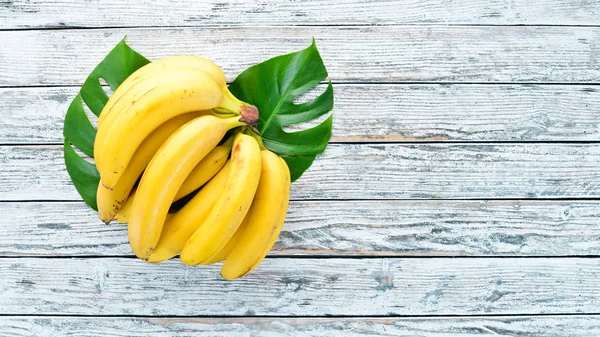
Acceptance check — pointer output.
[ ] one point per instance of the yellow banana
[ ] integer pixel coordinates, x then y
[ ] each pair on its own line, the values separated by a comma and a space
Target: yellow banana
136, 118
190, 90
184, 223
122, 215
117, 104
231, 244
265, 218
203, 172
165, 174
111, 200
131, 86
231, 207
161, 71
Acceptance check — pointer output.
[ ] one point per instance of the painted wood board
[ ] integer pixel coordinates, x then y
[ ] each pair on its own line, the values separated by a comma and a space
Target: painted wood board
373, 171
467, 54
300, 287
378, 113
22, 14
340, 228
504, 326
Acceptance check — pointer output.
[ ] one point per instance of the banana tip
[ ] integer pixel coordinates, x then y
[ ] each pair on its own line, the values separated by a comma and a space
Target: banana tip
249, 114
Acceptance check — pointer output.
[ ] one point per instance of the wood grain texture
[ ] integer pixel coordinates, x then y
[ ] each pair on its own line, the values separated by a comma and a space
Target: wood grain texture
504, 72
355, 54
72, 13
298, 287
379, 112
530, 326
371, 171
443, 171
338, 228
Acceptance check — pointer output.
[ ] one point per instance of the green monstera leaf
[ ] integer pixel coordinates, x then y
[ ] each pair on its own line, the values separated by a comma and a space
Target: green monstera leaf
272, 86
78, 131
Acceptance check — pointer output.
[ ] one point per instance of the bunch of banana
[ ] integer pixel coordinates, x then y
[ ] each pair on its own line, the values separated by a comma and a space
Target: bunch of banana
172, 129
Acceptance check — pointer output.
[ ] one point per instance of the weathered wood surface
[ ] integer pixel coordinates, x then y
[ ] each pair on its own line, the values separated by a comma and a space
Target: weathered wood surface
113, 13
502, 72
371, 171
380, 112
530, 326
338, 228
298, 287
377, 53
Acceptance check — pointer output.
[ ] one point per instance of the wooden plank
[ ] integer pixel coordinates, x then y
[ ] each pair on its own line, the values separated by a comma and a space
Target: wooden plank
355, 54
299, 287
337, 228
364, 171
380, 112
34, 115
72, 13
530, 326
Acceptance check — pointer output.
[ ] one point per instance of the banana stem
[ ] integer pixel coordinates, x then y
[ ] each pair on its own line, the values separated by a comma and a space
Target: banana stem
222, 113
248, 120
231, 105
251, 131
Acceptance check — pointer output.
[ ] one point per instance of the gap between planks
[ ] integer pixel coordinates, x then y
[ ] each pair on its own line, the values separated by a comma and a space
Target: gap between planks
348, 83
404, 142
323, 317
319, 257
400, 25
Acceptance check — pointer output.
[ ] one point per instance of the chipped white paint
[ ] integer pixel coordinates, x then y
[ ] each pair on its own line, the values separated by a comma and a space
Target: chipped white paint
298, 287
368, 228
113, 13
357, 54
530, 326
374, 113
374, 171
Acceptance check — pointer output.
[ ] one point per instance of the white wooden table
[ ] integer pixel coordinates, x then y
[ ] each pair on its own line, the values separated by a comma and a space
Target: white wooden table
459, 197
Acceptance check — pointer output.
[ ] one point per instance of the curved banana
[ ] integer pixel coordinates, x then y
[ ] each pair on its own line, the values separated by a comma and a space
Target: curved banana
162, 99
122, 215
231, 244
231, 207
191, 90
265, 218
117, 104
184, 223
111, 200
165, 174
131, 86
208, 167
203, 172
